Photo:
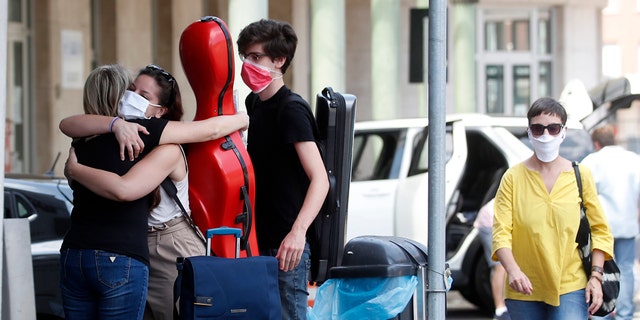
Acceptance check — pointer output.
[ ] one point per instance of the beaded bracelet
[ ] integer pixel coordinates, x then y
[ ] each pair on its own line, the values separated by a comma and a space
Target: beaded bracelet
597, 269
112, 122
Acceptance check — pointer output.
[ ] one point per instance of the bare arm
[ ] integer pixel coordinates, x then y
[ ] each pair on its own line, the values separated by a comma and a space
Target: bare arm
203, 130
175, 132
139, 181
84, 125
518, 281
593, 291
291, 248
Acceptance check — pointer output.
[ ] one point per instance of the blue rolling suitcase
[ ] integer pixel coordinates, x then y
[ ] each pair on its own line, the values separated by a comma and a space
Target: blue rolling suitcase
225, 288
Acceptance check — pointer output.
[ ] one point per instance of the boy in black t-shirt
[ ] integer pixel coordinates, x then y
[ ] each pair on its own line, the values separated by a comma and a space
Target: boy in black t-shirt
291, 180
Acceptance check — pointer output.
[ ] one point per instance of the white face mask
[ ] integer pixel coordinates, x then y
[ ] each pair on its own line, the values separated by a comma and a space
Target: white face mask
134, 106
547, 147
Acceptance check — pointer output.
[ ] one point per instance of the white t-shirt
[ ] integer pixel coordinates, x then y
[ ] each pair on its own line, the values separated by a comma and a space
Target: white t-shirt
616, 172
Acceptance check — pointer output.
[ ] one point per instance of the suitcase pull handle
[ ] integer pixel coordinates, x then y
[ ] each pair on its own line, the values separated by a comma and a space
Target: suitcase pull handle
223, 231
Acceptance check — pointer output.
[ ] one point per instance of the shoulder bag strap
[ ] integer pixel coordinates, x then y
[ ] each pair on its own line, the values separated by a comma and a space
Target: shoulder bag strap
583, 237
578, 180
170, 188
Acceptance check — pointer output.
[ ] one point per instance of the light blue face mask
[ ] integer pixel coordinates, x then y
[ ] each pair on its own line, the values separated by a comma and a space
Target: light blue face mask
134, 106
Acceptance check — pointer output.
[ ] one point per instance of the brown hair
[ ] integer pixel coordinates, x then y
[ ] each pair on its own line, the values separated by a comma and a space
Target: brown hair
546, 105
277, 38
169, 91
604, 136
171, 99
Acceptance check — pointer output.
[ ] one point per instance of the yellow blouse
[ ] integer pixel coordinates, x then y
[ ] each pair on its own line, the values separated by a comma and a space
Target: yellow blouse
540, 228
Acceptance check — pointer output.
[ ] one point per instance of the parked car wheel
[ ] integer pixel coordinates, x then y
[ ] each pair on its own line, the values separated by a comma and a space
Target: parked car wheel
482, 283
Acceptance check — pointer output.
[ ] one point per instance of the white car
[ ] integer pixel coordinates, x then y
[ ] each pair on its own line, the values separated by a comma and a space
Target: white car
389, 188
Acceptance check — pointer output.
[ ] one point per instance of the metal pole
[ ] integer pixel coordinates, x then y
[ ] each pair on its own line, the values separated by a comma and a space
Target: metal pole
436, 294
4, 20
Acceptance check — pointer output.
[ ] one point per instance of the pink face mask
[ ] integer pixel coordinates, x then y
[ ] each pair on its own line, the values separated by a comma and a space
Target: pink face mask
255, 76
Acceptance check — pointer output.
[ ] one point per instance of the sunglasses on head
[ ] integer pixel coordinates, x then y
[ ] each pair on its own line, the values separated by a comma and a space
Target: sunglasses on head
164, 73
538, 129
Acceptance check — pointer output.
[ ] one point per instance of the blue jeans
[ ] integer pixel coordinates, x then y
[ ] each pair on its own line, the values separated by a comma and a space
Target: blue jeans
572, 307
625, 253
97, 284
293, 286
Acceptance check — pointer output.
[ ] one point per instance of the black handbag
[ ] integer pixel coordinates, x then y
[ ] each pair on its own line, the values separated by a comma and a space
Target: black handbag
611, 274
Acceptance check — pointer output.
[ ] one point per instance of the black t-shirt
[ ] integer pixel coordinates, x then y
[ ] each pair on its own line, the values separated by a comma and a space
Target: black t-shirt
281, 183
103, 224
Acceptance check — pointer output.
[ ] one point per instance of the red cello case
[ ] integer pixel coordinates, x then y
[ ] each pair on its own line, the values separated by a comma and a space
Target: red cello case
221, 179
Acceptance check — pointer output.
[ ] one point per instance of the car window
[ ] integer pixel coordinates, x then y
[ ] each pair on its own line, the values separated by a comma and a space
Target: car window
420, 155
576, 145
23, 208
376, 155
49, 216
16, 206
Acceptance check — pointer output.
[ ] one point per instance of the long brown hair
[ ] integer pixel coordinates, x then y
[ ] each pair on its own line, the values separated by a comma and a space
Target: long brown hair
169, 91
170, 98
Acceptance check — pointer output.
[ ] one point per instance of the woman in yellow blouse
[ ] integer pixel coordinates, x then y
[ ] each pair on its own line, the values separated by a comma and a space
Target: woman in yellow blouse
537, 214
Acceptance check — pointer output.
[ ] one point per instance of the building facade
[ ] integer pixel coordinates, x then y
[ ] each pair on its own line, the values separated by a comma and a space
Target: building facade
502, 55
621, 57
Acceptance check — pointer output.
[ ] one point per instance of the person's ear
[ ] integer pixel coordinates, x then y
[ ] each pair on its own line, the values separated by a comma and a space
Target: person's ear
160, 112
279, 62
596, 145
163, 111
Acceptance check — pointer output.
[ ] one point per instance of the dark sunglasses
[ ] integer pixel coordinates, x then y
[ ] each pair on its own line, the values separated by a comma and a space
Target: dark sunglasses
164, 73
538, 129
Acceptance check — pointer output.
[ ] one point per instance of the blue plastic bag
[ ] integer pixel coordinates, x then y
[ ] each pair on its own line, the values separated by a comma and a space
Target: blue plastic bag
362, 298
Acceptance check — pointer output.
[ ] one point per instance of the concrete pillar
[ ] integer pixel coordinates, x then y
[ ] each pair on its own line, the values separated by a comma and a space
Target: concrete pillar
385, 58
242, 13
183, 13
462, 66
301, 65
133, 35
18, 297
3, 115
328, 45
